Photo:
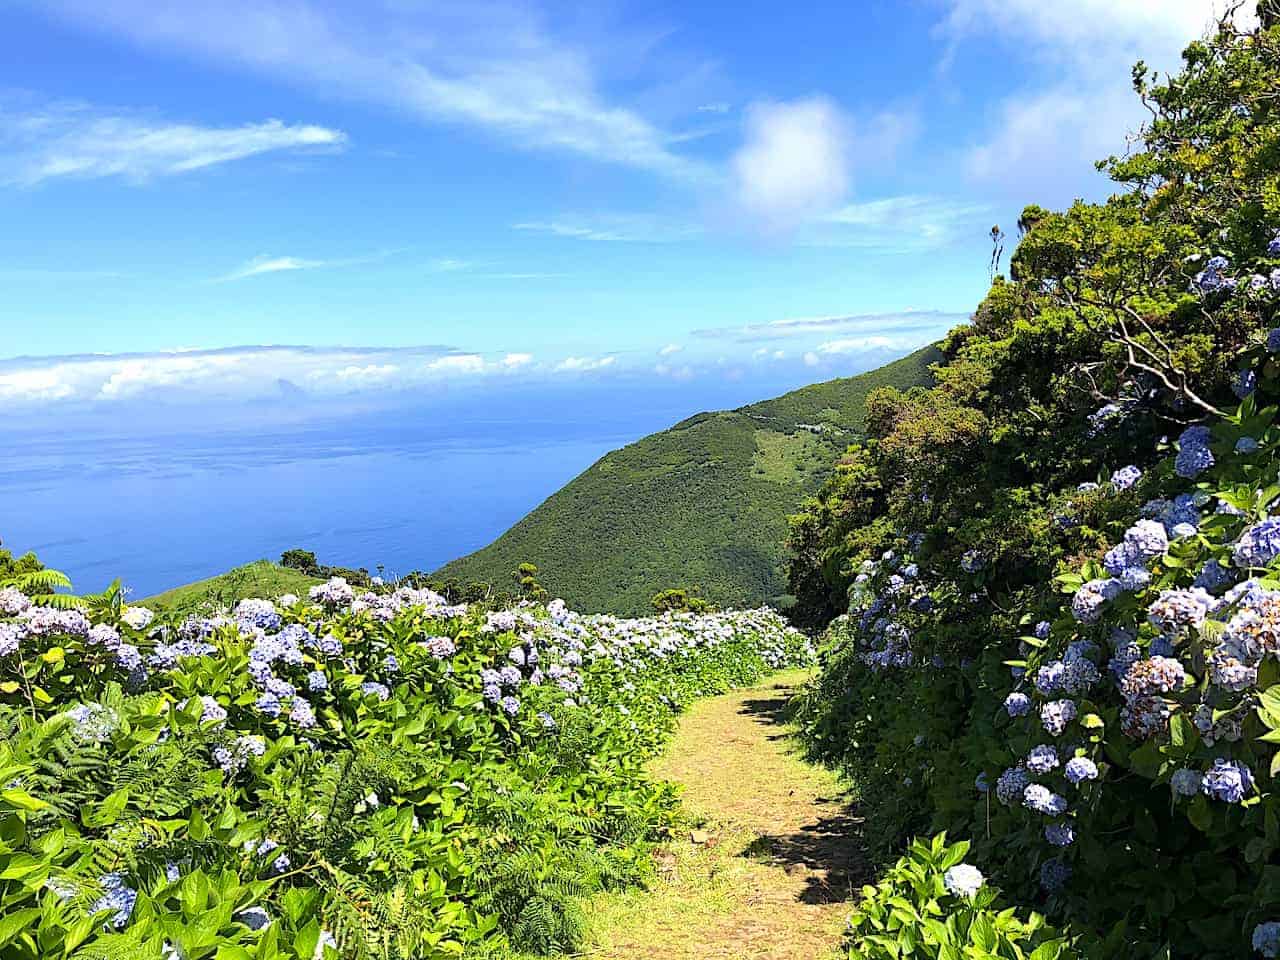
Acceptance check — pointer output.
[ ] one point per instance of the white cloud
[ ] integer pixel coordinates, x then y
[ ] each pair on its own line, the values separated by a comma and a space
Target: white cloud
811, 359
459, 363
584, 364
855, 345
240, 372
669, 349
794, 162
40, 142
369, 373
1040, 144
492, 66
36, 385
1085, 29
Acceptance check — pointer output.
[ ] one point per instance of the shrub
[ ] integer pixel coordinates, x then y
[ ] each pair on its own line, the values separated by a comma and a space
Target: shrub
931, 904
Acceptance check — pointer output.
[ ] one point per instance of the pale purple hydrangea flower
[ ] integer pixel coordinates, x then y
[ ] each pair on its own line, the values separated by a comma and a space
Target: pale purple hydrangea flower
1043, 801
1042, 759
1126, 477
1017, 704
1060, 833
1080, 769
1266, 936
1258, 545
1227, 781
1056, 714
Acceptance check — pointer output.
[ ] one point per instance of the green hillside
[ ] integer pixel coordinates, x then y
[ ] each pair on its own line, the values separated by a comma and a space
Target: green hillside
704, 503
262, 578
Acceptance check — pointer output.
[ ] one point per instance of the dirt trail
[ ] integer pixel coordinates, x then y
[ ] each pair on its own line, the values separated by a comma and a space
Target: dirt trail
768, 872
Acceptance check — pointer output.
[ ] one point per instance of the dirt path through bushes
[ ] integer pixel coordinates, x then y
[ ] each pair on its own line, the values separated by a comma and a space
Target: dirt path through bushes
767, 871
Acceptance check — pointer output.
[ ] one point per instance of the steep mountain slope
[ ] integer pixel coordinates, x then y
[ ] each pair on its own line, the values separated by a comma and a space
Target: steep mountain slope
704, 503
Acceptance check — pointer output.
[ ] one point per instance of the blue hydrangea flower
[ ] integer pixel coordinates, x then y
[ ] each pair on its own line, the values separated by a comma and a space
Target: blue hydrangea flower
1246, 381
1011, 784
1041, 631
1228, 781
1080, 769
510, 706
317, 681
1056, 714
1266, 936
1054, 874
1044, 801
1273, 340
1017, 704
1042, 759
1258, 545
379, 690
1126, 477
1247, 445
1186, 782
1060, 834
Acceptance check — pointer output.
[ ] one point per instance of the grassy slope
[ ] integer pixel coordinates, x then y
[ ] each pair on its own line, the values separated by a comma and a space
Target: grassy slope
262, 578
704, 503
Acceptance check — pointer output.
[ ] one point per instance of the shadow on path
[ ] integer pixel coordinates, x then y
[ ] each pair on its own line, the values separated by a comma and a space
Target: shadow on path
828, 849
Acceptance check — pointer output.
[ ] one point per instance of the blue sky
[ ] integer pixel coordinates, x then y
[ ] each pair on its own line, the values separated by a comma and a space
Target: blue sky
408, 194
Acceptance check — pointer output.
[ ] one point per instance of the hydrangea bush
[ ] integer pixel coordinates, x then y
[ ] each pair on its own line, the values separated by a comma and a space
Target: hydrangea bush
1060, 558
357, 773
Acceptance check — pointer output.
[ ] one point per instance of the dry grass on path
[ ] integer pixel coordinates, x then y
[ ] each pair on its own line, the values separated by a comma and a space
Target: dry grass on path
766, 871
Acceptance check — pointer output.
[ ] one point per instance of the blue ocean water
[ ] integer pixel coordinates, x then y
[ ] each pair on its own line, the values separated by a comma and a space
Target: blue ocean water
164, 496
159, 514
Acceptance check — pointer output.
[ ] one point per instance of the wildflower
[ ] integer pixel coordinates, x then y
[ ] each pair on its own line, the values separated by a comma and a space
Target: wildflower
1080, 769
963, 880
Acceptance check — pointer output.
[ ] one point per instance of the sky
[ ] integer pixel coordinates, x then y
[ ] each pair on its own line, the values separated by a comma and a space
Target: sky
352, 203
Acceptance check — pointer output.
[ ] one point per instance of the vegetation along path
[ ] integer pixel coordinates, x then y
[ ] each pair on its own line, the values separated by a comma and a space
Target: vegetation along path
766, 870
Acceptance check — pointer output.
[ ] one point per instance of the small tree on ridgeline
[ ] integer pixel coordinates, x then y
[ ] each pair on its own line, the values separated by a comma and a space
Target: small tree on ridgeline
527, 578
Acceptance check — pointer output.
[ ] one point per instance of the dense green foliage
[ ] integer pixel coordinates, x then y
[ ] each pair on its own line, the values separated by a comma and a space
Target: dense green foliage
361, 775
952, 532
704, 502
932, 905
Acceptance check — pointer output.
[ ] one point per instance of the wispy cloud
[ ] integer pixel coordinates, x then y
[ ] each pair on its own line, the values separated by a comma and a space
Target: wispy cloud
47, 141
266, 263
613, 228
1040, 142
905, 324
910, 223
493, 66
